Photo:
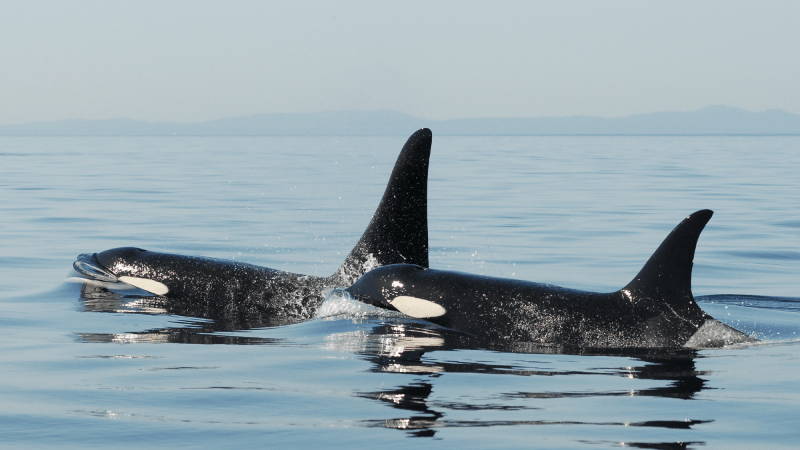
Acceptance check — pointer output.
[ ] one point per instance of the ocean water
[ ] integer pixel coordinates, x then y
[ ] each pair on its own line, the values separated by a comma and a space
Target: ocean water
581, 212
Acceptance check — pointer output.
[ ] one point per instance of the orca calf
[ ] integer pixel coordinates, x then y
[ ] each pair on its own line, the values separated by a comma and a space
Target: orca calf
243, 294
655, 310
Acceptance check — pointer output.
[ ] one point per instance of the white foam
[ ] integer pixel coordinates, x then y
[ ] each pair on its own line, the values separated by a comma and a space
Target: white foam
340, 303
714, 333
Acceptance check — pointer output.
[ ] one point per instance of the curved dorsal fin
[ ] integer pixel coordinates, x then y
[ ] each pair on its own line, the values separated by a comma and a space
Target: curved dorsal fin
667, 275
398, 232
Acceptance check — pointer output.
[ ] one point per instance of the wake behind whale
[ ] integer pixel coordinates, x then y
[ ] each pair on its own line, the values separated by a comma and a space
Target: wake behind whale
243, 295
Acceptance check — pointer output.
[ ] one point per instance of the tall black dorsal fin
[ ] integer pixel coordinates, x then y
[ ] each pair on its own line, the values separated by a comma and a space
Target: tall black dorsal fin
667, 275
398, 232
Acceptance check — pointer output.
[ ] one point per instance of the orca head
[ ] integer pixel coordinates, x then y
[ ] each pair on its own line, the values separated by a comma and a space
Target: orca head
398, 287
134, 266
121, 261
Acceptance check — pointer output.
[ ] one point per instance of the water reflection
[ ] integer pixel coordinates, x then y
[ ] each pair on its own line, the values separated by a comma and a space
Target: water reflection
428, 353
400, 349
412, 398
172, 336
415, 398
425, 420
685, 381
650, 445
97, 298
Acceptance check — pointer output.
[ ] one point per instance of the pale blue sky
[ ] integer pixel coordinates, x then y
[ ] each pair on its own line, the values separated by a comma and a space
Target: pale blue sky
190, 61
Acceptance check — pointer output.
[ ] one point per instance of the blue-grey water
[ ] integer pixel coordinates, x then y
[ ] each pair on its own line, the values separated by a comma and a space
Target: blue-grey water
581, 212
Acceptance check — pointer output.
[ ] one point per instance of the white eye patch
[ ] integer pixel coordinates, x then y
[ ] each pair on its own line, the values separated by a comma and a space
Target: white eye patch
417, 307
152, 286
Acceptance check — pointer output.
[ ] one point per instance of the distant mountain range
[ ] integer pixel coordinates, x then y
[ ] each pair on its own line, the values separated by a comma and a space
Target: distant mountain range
713, 120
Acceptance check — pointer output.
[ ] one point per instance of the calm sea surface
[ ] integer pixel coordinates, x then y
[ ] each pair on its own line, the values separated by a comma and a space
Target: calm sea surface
580, 212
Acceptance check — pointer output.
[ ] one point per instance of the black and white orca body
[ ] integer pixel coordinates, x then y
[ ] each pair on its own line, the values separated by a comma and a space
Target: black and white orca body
655, 310
241, 293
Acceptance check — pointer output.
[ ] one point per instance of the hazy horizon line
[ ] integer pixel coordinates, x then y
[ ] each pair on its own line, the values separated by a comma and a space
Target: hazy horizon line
402, 113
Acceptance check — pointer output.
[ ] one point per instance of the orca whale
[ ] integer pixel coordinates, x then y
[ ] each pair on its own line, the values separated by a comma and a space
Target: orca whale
655, 310
241, 294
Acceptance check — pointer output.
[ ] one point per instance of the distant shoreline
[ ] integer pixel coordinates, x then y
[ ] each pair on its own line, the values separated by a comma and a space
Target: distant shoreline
709, 121
383, 135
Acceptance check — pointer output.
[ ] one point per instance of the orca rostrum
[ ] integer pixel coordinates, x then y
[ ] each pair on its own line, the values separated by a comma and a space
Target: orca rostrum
655, 310
240, 294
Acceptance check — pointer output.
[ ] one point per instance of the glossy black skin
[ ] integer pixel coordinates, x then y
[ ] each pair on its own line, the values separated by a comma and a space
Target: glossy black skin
240, 293
501, 309
228, 291
656, 309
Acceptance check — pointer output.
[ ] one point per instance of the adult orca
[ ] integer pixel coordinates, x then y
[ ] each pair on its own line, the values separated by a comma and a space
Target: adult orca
655, 310
241, 294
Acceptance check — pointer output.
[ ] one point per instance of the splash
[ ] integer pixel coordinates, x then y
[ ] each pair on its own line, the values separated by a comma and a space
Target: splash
340, 304
713, 334
351, 271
